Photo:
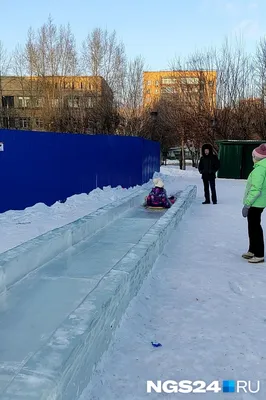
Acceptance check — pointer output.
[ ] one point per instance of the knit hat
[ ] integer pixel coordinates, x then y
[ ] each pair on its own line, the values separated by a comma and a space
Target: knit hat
158, 182
260, 152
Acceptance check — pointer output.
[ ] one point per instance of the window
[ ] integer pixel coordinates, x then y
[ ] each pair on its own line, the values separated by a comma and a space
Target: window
39, 123
81, 85
5, 122
156, 90
36, 102
74, 102
169, 81
149, 83
89, 102
39, 102
148, 91
168, 90
55, 103
190, 81
156, 83
8, 101
17, 123
8, 122
24, 102
12, 122
73, 85
24, 123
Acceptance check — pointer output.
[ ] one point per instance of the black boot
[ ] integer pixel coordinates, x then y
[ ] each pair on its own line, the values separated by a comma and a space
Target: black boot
206, 202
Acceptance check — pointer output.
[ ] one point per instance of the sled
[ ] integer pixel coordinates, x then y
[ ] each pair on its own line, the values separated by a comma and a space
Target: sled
172, 200
155, 208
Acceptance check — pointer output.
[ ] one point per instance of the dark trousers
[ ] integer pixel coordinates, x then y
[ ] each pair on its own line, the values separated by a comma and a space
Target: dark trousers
209, 183
255, 232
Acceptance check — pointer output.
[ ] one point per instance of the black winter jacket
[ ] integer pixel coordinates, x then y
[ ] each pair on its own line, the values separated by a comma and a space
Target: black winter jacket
209, 164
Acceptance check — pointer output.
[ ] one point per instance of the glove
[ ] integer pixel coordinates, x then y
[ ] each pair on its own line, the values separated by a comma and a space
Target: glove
245, 210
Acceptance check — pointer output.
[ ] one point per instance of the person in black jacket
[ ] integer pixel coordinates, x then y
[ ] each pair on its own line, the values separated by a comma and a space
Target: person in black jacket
208, 166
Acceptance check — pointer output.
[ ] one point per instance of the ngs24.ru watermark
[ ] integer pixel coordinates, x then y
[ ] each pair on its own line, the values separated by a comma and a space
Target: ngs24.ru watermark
186, 386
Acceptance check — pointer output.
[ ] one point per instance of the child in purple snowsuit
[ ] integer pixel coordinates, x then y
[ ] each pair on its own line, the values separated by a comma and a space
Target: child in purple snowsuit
158, 196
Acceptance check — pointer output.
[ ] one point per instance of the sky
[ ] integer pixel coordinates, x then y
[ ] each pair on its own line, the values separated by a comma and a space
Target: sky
159, 31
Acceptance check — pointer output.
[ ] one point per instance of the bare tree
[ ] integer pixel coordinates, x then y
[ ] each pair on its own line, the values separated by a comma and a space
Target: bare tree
103, 55
4, 60
51, 57
4, 68
51, 51
260, 84
130, 105
234, 70
212, 99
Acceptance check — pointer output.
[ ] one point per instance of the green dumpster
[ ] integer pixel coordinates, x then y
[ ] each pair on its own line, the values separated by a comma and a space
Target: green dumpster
236, 158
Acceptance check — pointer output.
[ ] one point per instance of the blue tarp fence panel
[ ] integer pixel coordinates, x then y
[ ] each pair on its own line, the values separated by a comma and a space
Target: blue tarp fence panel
44, 167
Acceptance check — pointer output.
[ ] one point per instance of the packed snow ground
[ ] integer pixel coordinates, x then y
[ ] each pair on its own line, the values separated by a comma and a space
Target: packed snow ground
17, 227
202, 302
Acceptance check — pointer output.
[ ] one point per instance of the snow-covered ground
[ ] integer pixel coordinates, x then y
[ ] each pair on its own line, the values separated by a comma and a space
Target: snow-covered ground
176, 162
16, 227
202, 302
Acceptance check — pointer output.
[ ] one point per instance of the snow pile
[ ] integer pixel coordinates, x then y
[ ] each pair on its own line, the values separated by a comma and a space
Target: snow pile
17, 227
175, 172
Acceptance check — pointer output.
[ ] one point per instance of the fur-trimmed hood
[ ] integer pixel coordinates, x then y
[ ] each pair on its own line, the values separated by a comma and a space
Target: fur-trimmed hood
207, 146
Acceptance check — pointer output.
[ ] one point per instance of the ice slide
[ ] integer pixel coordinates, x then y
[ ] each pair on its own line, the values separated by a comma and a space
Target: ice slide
57, 319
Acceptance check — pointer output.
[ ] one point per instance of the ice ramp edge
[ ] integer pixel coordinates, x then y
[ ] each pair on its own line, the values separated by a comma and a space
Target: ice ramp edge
62, 368
16, 263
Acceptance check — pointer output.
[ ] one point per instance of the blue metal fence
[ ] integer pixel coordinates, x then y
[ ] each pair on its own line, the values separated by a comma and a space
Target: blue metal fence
44, 167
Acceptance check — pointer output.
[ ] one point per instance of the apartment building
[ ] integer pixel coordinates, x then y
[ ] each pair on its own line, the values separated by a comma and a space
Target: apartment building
194, 87
31, 102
